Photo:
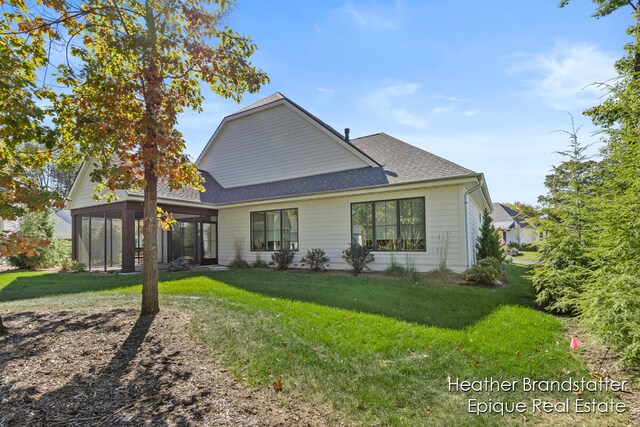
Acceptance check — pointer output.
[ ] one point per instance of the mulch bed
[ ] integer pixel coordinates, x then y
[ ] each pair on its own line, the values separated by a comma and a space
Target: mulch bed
102, 368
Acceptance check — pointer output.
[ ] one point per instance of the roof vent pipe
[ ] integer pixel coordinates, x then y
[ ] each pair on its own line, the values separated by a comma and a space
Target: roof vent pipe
346, 134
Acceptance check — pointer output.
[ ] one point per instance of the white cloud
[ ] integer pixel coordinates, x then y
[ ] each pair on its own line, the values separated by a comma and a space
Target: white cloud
564, 76
372, 16
391, 101
325, 94
325, 90
405, 104
441, 110
470, 113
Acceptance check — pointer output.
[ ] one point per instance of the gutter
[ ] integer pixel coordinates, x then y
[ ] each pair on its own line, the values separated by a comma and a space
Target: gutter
466, 216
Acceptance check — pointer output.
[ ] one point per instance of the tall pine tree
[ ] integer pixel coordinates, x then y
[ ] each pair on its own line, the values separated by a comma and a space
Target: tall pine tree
563, 270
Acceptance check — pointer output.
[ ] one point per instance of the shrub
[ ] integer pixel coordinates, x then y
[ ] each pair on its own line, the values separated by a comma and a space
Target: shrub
73, 266
38, 226
513, 251
316, 259
238, 264
515, 245
407, 271
486, 272
557, 288
55, 253
610, 307
357, 257
532, 247
180, 264
395, 268
259, 262
282, 258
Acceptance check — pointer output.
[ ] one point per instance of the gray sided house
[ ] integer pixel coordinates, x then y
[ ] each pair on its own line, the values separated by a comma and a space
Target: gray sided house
278, 177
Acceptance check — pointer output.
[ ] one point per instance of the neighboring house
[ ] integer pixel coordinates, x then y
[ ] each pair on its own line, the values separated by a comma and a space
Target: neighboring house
61, 225
8, 226
278, 177
512, 227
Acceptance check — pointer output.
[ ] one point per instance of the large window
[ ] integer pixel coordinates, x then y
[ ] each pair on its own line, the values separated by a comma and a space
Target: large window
389, 225
274, 230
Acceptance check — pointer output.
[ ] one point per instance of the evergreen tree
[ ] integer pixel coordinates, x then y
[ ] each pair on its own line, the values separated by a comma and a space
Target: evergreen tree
488, 243
564, 222
610, 303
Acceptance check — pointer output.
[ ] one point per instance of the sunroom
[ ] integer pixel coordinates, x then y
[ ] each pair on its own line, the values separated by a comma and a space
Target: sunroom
108, 237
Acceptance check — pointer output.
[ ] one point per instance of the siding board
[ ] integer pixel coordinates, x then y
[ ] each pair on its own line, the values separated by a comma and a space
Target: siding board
273, 145
326, 223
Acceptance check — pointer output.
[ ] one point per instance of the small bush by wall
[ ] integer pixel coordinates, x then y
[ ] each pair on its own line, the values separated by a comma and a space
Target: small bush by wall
486, 272
282, 259
179, 264
316, 259
357, 257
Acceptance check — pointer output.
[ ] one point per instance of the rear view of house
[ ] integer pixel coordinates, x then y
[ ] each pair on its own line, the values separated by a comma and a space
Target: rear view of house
278, 177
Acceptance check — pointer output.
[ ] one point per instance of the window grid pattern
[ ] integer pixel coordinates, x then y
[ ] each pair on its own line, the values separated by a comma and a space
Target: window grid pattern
389, 225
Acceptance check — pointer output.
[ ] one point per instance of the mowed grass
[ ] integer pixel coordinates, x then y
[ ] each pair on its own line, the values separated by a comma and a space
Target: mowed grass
371, 351
527, 256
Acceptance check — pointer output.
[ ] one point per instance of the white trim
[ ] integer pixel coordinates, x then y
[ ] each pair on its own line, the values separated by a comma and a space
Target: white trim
74, 186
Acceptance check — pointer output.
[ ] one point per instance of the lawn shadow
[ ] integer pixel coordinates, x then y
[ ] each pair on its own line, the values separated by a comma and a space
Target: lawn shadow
17, 286
132, 388
450, 306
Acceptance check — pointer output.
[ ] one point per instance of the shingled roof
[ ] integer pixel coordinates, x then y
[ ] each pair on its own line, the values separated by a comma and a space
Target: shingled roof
406, 163
505, 218
268, 100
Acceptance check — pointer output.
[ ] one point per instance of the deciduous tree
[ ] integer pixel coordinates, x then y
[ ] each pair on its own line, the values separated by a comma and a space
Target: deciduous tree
141, 64
27, 142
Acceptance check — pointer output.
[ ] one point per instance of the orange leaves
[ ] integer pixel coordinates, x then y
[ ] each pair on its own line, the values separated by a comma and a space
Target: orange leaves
12, 244
277, 384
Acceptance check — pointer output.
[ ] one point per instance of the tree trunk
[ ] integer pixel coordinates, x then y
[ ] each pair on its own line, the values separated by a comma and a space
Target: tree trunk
152, 98
150, 303
3, 330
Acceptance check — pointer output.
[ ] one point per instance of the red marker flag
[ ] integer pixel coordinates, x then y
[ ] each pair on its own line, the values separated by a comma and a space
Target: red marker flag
574, 343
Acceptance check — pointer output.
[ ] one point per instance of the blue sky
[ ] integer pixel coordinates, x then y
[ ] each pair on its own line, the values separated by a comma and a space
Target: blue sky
483, 84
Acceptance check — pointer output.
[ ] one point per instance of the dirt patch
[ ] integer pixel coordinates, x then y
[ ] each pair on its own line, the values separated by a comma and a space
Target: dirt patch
102, 368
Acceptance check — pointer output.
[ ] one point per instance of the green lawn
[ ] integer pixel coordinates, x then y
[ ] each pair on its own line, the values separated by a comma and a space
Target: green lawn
527, 256
372, 351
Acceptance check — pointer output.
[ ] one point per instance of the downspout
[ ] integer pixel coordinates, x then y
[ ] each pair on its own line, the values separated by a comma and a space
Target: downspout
466, 220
